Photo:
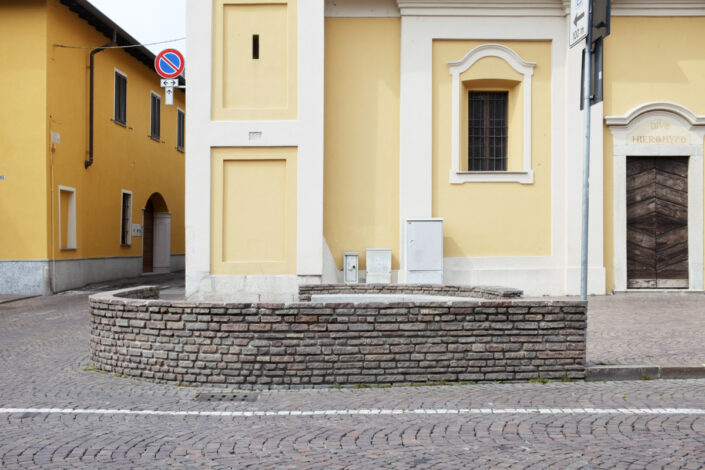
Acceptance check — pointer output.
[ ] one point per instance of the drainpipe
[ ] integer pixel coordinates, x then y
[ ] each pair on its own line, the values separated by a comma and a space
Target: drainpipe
89, 162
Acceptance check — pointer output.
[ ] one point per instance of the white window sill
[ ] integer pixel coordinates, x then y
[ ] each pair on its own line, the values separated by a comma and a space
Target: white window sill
460, 177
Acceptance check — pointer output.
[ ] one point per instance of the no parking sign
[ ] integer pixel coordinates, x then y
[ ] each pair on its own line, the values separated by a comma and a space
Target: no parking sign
169, 64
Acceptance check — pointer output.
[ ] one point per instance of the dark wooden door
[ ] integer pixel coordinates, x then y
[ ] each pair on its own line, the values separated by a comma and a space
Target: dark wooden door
148, 238
657, 222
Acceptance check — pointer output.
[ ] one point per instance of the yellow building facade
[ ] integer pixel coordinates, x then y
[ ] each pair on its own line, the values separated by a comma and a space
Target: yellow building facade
82, 203
325, 127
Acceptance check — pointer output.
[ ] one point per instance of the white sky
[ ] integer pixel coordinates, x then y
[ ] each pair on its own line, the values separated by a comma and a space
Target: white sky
149, 20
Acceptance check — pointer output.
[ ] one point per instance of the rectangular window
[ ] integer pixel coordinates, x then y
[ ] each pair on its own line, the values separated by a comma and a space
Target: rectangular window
155, 107
126, 219
67, 218
180, 128
120, 115
487, 131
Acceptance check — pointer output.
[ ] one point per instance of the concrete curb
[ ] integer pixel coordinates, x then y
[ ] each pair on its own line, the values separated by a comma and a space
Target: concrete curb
7, 299
644, 372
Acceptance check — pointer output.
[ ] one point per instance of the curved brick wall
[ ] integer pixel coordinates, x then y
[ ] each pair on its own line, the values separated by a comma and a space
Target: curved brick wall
311, 345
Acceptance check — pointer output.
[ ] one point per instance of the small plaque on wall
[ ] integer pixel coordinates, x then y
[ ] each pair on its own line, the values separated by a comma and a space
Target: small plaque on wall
136, 230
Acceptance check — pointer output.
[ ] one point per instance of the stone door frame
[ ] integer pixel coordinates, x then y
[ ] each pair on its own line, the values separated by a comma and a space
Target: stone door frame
628, 142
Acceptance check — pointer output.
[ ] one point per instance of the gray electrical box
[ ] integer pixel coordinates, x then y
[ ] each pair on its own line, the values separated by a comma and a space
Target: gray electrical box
350, 267
379, 265
424, 251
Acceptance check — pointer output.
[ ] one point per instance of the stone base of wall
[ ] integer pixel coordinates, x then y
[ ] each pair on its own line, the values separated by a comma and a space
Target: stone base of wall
482, 292
306, 345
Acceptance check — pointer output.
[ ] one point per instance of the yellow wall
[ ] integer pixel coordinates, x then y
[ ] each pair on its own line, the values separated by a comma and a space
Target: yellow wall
249, 237
125, 157
361, 163
648, 59
248, 88
493, 219
23, 133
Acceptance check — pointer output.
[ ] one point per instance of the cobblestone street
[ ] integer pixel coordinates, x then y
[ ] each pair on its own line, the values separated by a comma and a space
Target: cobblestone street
57, 412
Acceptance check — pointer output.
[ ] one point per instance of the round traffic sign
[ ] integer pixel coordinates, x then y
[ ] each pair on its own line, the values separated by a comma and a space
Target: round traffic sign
169, 63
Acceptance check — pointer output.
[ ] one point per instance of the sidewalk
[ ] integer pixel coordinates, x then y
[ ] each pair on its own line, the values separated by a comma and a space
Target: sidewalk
646, 335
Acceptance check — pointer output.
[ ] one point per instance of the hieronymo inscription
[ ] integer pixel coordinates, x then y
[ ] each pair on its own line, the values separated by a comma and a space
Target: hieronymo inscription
659, 132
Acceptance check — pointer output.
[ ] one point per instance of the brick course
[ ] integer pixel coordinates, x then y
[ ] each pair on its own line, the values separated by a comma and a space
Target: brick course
482, 292
306, 345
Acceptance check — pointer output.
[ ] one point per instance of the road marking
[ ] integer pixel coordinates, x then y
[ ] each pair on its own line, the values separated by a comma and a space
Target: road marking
464, 411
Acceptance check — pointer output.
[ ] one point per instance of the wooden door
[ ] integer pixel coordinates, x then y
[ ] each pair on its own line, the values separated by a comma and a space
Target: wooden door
148, 238
657, 222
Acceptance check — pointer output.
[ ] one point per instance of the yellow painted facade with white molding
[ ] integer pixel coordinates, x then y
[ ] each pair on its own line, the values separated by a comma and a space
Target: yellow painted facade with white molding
648, 59
253, 211
45, 122
494, 219
361, 165
361, 96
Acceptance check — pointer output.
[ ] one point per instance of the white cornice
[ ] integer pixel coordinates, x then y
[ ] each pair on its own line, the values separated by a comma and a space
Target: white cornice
658, 7
545, 7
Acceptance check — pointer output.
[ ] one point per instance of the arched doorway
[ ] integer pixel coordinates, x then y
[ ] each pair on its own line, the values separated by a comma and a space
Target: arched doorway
156, 235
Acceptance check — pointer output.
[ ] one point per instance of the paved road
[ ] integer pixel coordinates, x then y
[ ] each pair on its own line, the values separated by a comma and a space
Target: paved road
54, 413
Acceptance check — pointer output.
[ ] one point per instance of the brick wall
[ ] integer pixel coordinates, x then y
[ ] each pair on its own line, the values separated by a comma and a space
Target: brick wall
311, 345
486, 292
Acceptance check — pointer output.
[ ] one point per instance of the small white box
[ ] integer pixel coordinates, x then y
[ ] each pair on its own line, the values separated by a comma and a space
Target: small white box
350, 266
379, 265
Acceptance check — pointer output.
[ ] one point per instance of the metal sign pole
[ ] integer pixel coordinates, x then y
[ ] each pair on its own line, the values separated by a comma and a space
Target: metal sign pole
587, 80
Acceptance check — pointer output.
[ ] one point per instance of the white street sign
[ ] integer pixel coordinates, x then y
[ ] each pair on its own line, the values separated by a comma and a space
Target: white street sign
578, 20
170, 82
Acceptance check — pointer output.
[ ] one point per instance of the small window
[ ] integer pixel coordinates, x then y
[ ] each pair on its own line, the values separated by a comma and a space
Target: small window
120, 115
126, 219
180, 123
487, 131
155, 107
67, 218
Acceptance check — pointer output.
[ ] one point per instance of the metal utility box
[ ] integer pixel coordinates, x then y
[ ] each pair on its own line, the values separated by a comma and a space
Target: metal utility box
424, 251
350, 266
379, 265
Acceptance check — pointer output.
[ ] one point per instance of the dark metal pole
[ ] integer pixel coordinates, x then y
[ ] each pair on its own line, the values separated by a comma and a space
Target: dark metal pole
587, 80
89, 162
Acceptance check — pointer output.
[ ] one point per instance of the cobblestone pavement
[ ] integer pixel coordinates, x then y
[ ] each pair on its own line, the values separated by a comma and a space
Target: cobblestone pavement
43, 354
657, 329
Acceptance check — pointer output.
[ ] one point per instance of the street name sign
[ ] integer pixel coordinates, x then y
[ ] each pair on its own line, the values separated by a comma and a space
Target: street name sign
578, 21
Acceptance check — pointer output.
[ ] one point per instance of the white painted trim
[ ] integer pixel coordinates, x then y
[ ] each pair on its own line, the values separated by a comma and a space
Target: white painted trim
361, 9
621, 126
118, 71
129, 224
509, 8
658, 8
71, 229
526, 69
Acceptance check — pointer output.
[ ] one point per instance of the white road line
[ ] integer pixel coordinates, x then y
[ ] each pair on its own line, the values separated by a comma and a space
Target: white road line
464, 411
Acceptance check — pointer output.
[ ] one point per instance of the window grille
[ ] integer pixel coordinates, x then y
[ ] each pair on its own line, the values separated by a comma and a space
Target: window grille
126, 222
487, 131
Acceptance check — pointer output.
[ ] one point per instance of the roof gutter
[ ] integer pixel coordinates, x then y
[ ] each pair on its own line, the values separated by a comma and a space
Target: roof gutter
89, 162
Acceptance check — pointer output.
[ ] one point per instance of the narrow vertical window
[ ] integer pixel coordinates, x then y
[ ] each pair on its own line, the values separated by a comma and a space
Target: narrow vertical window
120, 114
126, 219
255, 46
67, 218
180, 123
487, 131
155, 106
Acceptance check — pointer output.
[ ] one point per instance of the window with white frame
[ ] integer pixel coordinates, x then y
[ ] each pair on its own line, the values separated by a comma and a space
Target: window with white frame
155, 113
180, 129
126, 219
67, 218
120, 98
487, 117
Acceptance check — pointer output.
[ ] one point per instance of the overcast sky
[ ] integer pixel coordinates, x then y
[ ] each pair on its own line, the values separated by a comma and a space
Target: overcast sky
149, 20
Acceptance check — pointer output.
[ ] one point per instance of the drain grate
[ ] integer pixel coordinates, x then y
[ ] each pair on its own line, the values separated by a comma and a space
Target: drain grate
231, 397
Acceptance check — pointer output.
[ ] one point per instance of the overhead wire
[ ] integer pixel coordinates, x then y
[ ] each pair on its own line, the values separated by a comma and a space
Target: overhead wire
120, 47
